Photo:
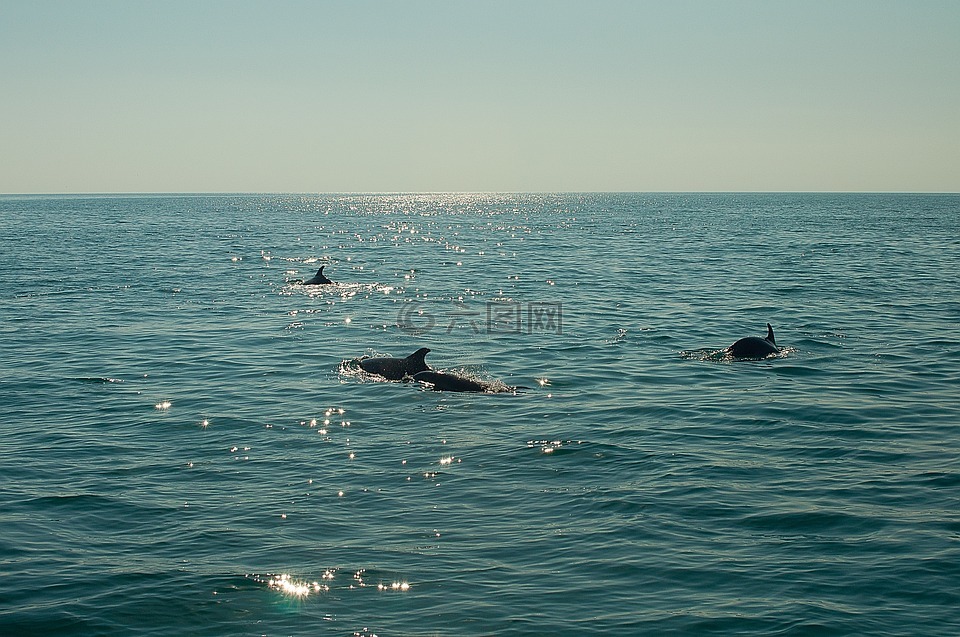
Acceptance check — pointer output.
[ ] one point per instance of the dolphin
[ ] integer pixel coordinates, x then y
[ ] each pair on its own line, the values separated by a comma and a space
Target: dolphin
319, 279
754, 347
396, 368
442, 381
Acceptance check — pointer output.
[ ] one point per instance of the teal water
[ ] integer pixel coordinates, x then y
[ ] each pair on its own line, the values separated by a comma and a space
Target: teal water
183, 451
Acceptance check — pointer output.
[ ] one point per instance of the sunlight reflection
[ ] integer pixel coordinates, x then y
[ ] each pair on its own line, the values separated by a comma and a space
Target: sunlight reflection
395, 586
313, 423
164, 404
551, 446
302, 588
288, 586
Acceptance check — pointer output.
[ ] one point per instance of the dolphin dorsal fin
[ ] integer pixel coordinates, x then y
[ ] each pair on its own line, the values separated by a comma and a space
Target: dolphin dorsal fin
770, 335
320, 271
419, 355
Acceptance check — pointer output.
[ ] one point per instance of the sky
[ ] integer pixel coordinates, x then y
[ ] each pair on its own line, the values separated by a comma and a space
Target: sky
160, 96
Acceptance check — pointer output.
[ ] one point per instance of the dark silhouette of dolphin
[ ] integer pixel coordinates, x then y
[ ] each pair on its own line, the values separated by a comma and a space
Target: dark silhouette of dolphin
754, 347
442, 381
318, 279
445, 381
396, 368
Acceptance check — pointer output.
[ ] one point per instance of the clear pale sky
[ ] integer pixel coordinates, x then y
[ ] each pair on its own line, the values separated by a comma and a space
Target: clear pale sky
485, 95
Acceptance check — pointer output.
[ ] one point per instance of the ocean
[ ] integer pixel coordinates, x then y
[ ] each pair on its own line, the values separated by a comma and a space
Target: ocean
188, 447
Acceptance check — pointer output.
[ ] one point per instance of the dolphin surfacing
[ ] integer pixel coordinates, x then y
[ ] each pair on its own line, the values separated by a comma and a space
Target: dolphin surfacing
445, 381
442, 381
319, 278
396, 368
754, 347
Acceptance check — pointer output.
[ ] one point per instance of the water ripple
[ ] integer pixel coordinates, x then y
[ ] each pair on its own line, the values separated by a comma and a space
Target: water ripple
186, 450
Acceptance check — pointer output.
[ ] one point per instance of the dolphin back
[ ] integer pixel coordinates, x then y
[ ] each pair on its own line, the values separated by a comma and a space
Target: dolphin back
449, 382
754, 347
396, 368
389, 368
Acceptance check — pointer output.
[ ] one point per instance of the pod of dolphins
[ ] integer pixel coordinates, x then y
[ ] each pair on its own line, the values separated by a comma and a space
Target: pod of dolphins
414, 367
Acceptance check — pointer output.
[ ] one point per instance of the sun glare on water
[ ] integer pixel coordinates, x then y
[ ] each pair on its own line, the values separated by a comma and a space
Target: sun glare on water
295, 588
300, 589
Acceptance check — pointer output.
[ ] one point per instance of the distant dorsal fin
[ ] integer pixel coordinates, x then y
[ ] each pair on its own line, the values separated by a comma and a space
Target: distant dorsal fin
770, 335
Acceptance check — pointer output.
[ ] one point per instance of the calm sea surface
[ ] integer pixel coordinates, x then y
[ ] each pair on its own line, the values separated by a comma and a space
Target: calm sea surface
184, 451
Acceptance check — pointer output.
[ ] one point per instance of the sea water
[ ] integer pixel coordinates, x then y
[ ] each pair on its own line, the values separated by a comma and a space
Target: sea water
186, 449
